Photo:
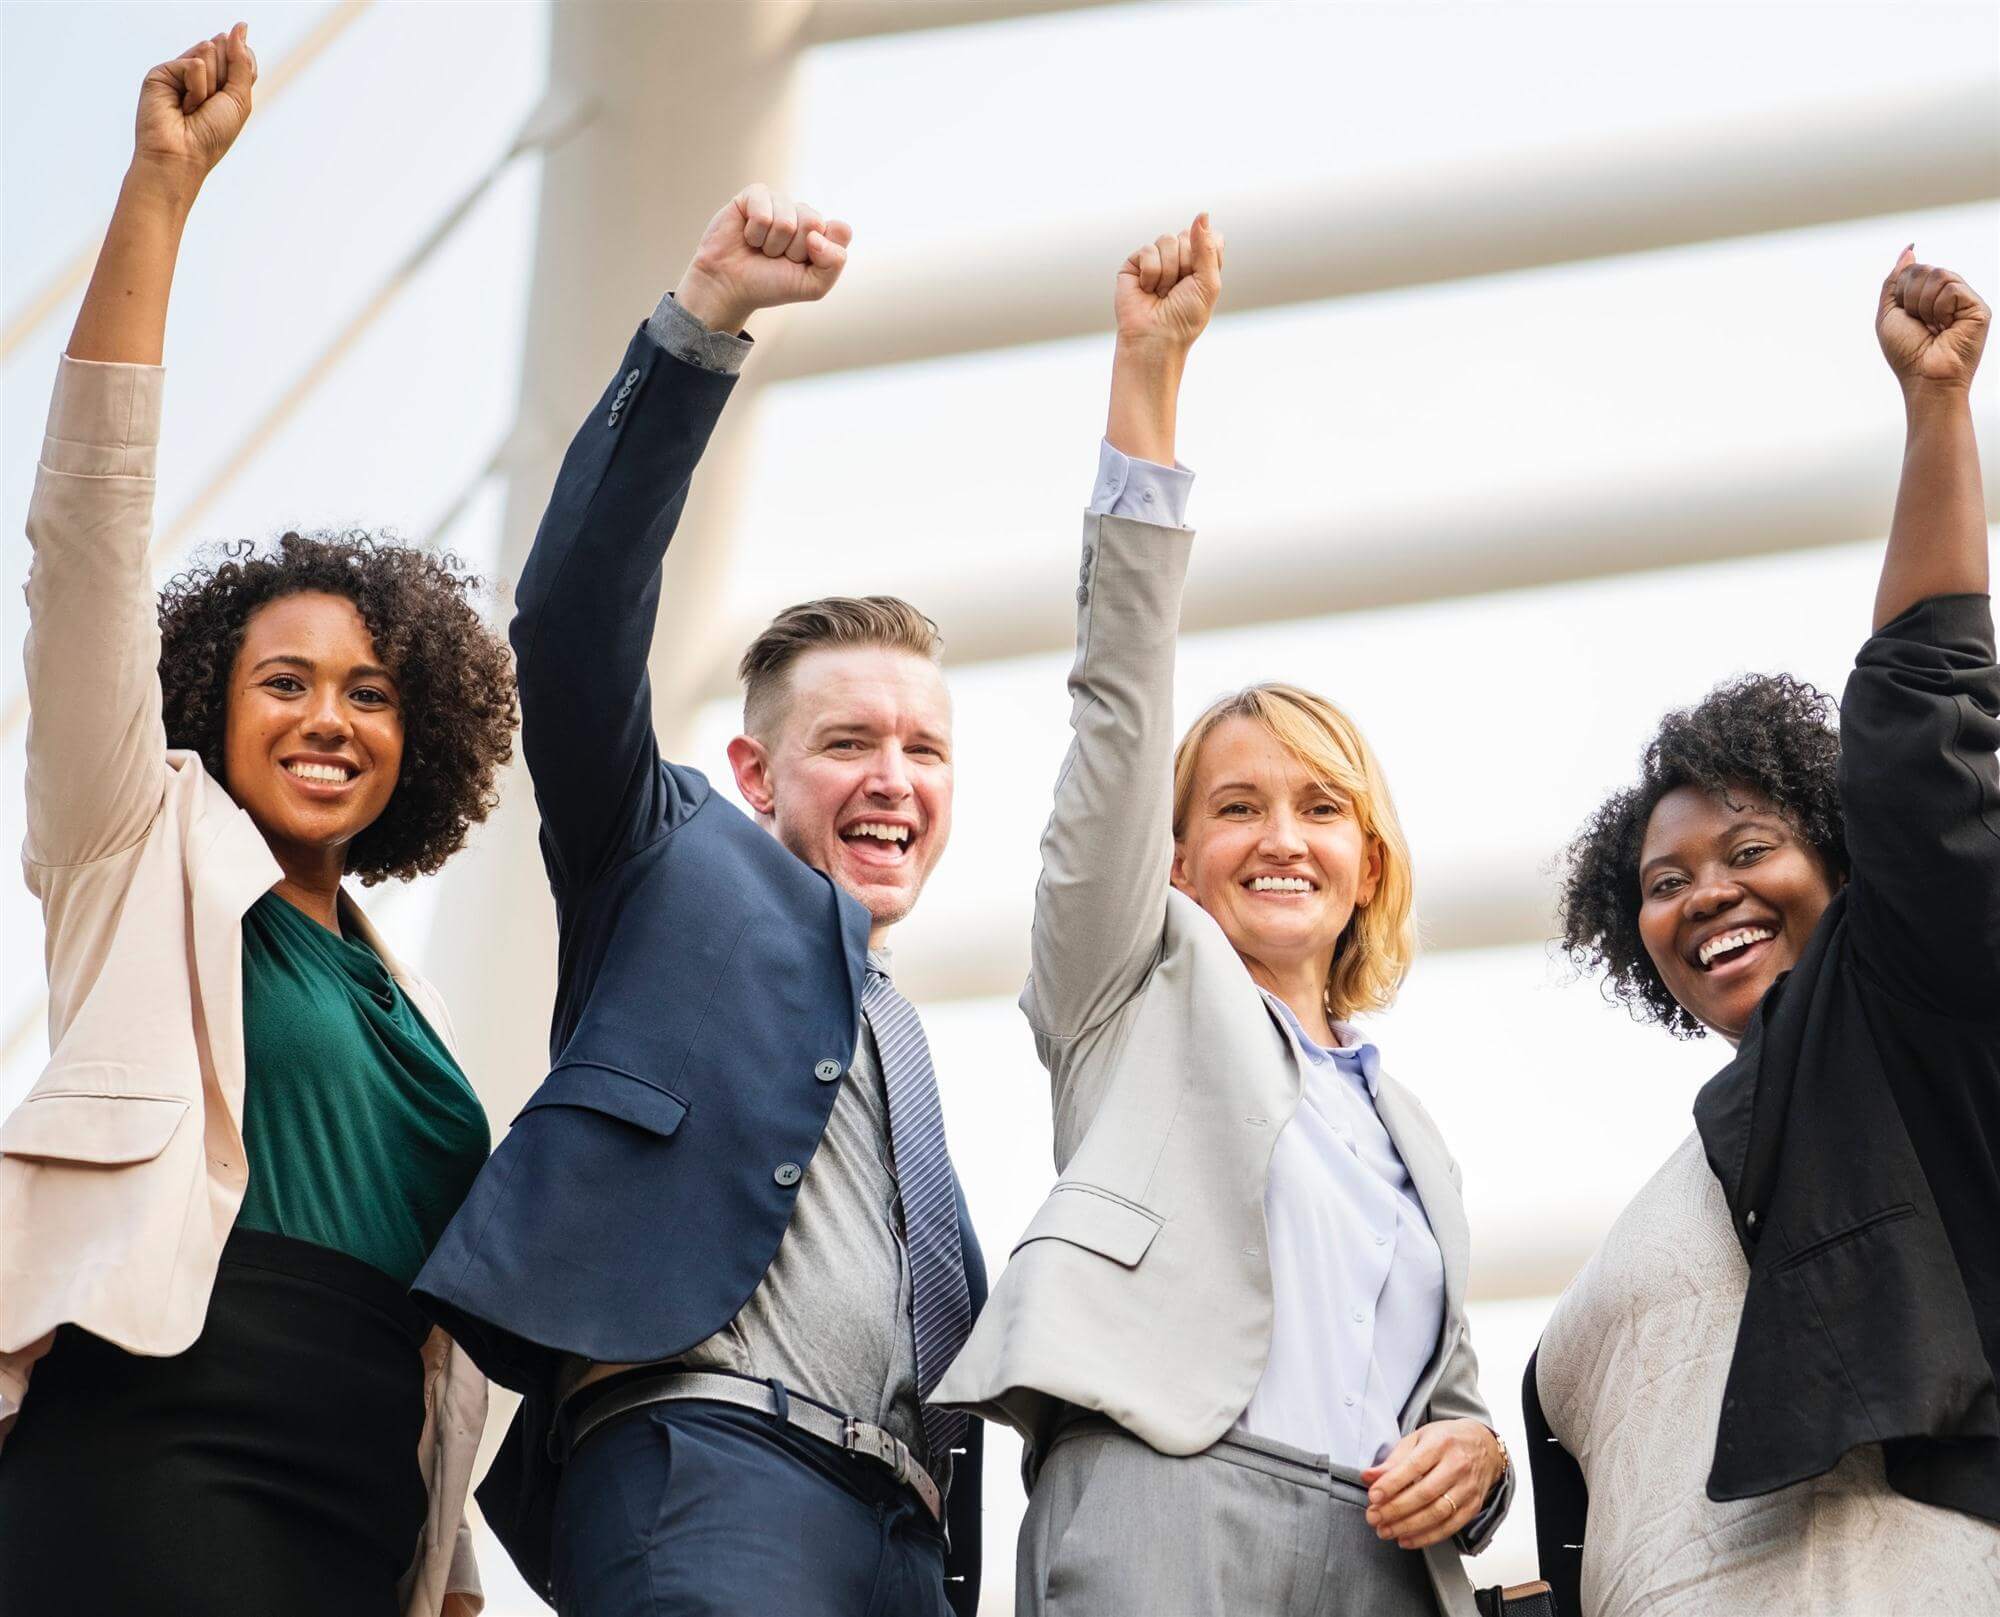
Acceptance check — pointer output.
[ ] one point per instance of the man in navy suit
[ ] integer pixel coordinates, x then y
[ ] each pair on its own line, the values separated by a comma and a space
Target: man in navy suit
722, 1251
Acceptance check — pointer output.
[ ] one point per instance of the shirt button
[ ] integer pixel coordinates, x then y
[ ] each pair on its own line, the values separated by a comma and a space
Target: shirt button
1359, 1316
786, 1173
1147, 496
1381, 1240
827, 1070
1348, 1399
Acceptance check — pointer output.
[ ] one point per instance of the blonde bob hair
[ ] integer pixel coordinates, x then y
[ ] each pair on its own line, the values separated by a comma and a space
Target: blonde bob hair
1376, 949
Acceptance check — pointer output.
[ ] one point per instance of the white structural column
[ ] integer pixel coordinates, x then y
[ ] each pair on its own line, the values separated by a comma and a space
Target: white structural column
690, 103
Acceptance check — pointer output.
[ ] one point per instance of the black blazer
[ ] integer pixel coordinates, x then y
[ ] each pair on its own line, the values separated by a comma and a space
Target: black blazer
704, 972
1856, 1135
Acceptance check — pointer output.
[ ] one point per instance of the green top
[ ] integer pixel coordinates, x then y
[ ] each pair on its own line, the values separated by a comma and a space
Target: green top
362, 1133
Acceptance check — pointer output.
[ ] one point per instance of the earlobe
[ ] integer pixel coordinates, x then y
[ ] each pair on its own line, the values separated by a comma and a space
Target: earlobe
1178, 875
751, 766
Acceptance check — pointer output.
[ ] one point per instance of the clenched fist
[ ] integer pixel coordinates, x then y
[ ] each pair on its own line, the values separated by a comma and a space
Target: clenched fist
1931, 324
1169, 288
761, 250
192, 109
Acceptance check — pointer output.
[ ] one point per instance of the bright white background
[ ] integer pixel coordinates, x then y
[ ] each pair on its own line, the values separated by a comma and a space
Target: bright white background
1502, 719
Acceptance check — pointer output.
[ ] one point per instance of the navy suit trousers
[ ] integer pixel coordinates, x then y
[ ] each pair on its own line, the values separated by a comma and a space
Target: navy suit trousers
693, 1509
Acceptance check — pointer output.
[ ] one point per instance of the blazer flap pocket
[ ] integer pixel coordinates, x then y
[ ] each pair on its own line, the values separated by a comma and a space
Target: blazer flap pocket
612, 1091
70, 1126
1095, 1220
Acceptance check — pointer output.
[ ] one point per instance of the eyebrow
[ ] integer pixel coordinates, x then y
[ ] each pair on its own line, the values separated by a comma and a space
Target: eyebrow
291, 660
1743, 823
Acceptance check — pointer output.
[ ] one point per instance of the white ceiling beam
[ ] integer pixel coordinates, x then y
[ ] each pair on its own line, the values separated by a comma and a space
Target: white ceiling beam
835, 21
1669, 187
1455, 544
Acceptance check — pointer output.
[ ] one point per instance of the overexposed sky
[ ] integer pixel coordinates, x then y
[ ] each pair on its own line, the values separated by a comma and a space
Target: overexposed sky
1441, 409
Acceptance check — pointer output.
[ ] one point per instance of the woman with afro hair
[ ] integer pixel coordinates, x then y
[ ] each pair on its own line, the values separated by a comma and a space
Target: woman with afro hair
252, 1127
1772, 1388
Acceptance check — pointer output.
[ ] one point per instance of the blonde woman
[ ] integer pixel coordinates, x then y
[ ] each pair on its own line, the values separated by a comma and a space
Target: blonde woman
1234, 1337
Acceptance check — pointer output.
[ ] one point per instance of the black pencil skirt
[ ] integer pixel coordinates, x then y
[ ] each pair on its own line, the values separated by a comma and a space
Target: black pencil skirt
271, 1468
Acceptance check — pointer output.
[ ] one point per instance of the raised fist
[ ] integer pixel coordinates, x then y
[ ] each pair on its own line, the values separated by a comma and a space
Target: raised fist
761, 250
1169, 288
1930, 323
192, 109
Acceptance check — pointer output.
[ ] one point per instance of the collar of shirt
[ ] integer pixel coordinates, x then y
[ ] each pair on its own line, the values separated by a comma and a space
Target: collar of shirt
883, 961
1354, 1055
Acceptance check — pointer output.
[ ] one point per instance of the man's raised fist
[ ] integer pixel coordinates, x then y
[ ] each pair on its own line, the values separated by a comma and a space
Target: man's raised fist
760, 250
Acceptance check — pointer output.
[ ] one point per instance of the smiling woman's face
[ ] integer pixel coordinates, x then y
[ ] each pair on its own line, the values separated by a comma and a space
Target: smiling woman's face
1728, 894
314, 738
1275, 856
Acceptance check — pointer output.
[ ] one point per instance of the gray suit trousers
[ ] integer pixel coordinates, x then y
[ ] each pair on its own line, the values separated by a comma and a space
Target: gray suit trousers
1248, 1528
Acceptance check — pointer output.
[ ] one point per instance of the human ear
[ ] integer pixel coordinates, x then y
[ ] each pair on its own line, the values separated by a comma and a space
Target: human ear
1179, 875
751, 765
1371, 873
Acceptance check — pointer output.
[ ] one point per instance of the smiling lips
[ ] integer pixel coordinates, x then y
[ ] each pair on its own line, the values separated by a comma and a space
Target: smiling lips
1281, 884
1727, 947
883, 840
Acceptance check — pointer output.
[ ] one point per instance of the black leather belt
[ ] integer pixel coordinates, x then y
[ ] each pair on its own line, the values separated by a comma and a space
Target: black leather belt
581, 1414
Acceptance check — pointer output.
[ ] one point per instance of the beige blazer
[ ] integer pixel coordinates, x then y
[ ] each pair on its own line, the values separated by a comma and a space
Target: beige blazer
1142, 1289
122, 1171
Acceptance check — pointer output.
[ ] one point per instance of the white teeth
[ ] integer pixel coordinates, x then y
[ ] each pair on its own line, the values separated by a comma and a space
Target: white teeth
887, 833
326, 772
1734, 940
1280, 884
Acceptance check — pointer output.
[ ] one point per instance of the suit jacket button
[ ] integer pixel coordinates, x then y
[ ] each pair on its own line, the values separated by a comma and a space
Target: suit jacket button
827, 1071
631, 379
612, 419
787, 1173
1083, 595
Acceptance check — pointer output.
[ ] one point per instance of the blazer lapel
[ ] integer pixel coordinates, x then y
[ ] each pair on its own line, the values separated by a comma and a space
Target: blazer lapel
229, 868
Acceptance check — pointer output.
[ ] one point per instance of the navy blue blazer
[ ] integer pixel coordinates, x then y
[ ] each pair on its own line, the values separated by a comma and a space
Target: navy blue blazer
704, 971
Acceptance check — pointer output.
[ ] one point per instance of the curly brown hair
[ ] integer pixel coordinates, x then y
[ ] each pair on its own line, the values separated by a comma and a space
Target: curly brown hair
456, 678
1768, 733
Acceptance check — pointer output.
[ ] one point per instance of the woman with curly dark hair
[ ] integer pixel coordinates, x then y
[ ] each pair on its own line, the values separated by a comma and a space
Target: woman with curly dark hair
1773, 1386
252, 1128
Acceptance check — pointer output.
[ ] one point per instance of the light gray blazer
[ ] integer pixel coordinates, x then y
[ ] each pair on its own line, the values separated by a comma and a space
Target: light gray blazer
1142, 1289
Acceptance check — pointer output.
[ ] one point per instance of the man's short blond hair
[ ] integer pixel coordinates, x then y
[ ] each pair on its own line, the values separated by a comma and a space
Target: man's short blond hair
1376, 950
838, 620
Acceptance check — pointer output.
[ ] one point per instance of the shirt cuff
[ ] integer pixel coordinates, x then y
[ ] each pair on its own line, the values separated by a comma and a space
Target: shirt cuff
1141, 489
104, 420
687, 339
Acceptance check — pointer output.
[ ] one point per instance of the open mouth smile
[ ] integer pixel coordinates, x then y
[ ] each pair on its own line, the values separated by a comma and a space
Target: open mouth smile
317, 778
1281, 886
1728, 950
885, 843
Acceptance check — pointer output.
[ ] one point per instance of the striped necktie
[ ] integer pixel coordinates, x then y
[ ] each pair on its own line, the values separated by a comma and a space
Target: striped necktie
940, 1306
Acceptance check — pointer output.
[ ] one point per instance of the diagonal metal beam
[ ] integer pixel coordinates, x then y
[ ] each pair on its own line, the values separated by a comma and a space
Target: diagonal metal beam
1668, 187
59, 288
545, 129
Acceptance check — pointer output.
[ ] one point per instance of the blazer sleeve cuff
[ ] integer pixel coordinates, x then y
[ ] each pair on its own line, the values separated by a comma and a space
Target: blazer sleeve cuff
1478, 1533
104, 420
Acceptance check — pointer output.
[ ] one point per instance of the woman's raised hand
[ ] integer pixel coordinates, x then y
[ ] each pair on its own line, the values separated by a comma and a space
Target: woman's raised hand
192, 109
1168, 288
1931, 324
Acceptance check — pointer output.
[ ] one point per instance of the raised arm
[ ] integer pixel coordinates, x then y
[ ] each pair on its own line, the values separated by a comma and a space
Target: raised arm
1932, 327
1101, 903
96, 747
590, 592
1920, 719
